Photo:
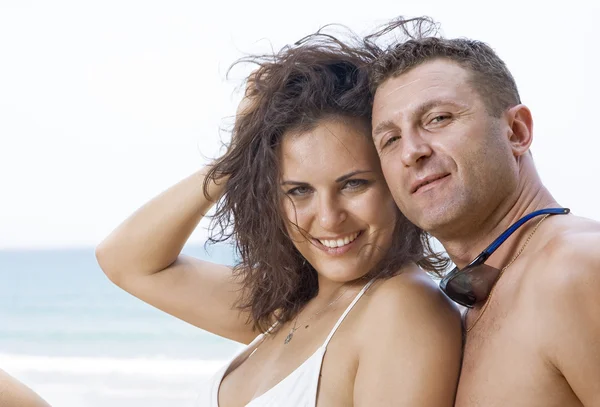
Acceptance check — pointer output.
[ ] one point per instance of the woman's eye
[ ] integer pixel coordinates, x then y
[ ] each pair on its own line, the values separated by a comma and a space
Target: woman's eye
299, 191
355, 183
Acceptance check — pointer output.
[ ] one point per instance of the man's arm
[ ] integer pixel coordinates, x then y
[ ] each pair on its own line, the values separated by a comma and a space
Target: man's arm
15, 394
411, 346
573, 315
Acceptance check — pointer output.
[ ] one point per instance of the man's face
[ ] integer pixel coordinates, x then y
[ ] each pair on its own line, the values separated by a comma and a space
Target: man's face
447, 161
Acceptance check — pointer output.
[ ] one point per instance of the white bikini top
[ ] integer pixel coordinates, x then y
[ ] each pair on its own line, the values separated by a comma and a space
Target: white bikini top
298, 389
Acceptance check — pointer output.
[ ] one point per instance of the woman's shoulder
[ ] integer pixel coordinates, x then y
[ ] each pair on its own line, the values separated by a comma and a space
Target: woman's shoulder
406, 321
411, 287
410, 299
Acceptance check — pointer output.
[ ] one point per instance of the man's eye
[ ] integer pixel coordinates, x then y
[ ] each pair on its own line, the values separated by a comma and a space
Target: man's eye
390, 141
440, 118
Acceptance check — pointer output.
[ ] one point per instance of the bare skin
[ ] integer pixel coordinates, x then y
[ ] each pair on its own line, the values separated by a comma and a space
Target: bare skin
537, 342
358, 368
337, 190
15, 394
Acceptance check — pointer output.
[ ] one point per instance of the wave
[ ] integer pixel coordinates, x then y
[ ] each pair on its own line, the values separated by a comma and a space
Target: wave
157, 366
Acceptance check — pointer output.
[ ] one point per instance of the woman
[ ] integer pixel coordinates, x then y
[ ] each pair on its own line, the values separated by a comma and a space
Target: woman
328, 274
13, 393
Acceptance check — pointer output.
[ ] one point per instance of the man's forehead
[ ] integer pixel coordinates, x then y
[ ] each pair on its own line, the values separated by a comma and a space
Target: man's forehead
438, 73
431, 81
439, 68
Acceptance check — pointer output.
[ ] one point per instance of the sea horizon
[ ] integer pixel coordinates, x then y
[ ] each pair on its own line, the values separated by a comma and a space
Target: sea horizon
80, 341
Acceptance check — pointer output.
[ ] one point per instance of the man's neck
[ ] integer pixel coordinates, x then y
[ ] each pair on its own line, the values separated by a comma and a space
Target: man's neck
463, 248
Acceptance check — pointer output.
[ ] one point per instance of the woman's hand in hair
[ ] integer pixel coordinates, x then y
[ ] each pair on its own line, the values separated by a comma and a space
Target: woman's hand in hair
248, 103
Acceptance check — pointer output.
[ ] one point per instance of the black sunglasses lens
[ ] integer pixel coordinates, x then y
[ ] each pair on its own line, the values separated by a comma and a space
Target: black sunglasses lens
472, 284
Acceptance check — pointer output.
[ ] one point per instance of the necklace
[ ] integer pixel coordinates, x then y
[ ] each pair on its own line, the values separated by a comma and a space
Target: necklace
290, 335
485, 305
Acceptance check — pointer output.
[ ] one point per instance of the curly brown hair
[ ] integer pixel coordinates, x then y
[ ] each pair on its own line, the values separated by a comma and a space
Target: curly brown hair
418, 40
317, 78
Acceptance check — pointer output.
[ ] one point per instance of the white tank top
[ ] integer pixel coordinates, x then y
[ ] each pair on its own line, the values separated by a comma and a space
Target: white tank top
298, 389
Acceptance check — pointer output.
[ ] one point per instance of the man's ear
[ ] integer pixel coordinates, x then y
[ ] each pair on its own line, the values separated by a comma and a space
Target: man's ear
520, 123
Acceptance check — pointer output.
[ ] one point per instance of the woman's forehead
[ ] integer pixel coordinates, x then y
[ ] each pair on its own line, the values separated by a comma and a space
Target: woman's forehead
332, 146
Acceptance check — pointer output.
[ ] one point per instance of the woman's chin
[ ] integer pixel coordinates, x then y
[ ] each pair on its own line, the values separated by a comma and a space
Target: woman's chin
343, 274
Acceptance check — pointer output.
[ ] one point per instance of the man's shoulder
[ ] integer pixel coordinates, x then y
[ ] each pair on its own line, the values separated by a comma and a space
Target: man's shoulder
572, 248
566, 302
568, 264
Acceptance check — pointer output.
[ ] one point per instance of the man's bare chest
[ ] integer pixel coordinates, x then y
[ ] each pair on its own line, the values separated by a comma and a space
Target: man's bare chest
504, 364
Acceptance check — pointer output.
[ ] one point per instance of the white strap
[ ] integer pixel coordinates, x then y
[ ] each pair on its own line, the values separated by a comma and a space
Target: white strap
347, 311
272, 328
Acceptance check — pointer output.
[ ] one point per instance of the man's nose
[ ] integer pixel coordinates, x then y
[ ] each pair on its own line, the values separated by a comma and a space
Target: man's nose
414, 148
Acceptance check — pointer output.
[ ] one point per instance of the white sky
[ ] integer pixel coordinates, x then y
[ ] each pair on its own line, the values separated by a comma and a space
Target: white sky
105, 104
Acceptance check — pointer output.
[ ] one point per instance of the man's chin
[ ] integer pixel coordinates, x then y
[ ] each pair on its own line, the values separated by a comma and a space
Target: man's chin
434, 221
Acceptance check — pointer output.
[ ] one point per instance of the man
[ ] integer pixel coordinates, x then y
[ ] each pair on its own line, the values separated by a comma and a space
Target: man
15, 394
454, 138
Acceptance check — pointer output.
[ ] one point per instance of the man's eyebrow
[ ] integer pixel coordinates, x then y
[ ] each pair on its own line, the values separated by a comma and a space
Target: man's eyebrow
383, 127
430, 104
417, 112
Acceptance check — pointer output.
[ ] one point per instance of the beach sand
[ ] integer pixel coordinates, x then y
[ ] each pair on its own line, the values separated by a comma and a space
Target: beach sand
95, 382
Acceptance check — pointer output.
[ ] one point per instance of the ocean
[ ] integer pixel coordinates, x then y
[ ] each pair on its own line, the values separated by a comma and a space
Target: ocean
80, 341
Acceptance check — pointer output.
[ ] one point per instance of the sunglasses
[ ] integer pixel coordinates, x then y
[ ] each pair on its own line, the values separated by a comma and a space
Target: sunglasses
472, 284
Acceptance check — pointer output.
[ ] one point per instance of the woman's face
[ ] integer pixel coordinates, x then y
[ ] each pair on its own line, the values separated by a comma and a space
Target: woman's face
336, 194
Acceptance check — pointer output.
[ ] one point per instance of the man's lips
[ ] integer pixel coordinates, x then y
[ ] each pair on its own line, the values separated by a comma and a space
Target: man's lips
421, 182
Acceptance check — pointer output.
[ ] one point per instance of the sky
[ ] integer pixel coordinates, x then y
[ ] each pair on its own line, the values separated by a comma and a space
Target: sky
103, 105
